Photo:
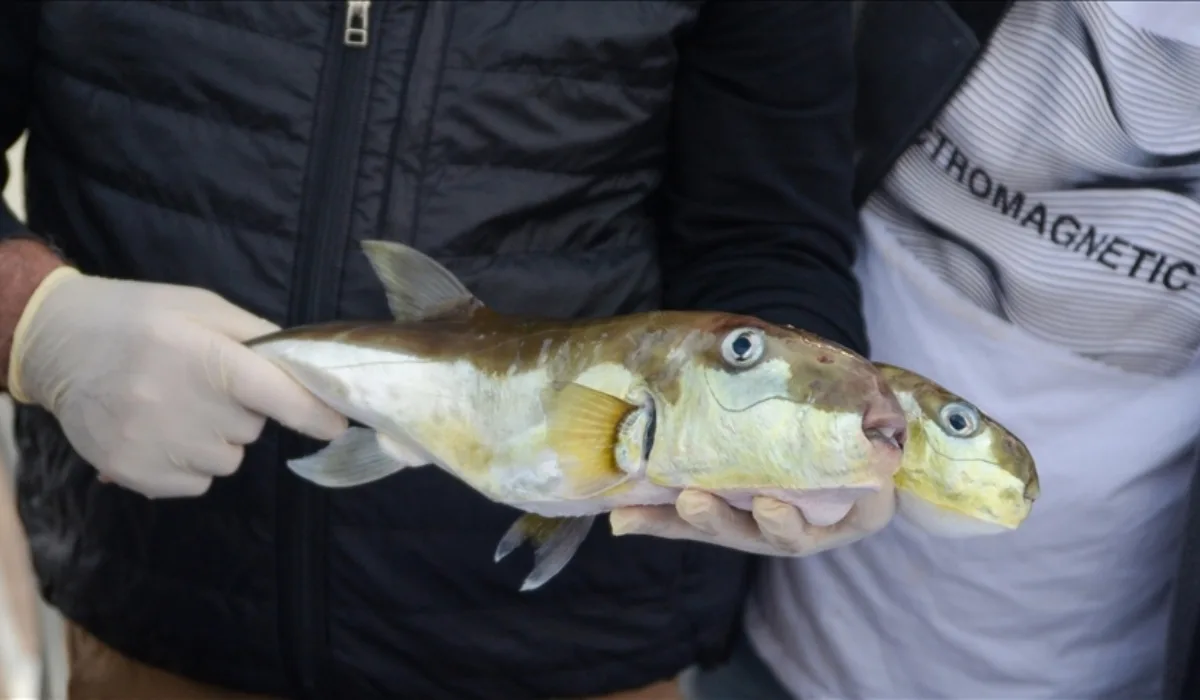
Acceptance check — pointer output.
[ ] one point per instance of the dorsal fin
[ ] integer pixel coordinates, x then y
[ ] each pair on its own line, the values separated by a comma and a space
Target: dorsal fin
418, 287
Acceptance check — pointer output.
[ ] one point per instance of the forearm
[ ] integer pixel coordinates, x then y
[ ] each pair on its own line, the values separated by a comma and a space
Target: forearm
24, 263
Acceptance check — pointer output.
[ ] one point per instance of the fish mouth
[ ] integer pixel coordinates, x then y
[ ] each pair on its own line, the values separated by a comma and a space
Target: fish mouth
884, 423
890, 437
1032, 492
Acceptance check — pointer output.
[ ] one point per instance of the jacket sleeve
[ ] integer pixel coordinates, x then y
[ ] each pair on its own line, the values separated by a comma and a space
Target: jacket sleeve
18, 30
758, 191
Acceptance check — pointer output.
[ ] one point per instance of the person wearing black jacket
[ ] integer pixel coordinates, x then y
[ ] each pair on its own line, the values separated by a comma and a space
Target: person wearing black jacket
199, 173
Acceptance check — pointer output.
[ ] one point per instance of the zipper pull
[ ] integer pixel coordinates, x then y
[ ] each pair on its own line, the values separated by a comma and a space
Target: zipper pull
358, 12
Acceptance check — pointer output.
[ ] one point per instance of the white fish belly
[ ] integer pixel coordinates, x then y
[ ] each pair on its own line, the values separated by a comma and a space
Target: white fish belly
487, 430
637, 492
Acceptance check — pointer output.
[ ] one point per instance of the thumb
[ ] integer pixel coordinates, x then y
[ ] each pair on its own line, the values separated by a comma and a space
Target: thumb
873, 511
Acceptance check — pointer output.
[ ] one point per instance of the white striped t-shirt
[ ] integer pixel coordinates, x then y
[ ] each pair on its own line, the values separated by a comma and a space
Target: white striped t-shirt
1035, 253
1060, 189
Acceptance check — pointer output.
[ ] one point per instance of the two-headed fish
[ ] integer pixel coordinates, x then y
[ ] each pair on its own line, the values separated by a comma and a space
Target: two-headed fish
569, 419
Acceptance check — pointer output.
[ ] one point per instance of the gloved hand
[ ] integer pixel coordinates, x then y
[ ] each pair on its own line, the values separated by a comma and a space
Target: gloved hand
150, 381
773, 528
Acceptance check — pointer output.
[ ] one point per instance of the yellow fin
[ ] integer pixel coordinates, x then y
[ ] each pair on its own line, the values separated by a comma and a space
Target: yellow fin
582, 429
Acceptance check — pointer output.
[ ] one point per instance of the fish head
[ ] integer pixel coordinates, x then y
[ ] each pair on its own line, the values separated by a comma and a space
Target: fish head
962, 474
751, 408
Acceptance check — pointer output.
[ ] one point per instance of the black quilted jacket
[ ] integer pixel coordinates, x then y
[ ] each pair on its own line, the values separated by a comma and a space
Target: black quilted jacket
564, 158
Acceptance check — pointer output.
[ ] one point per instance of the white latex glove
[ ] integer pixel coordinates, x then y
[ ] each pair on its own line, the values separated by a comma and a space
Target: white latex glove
773, 528
151, 383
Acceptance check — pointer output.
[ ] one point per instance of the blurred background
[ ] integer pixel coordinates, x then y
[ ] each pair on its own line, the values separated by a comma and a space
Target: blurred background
32, 651
13, 196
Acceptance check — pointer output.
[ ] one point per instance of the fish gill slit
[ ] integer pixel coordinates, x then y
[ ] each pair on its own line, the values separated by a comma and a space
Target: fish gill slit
651, 429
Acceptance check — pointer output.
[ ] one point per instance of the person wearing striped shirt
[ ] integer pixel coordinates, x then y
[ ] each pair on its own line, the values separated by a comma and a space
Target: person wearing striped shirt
1030, 190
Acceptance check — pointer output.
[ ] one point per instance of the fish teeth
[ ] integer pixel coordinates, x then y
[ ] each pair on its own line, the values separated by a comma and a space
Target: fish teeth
893, 437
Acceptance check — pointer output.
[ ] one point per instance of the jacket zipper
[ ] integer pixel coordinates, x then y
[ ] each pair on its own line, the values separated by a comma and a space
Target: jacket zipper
332, 171
358, 23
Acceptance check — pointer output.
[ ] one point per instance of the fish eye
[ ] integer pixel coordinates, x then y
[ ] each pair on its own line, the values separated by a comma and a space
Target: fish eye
742, 347
960, 419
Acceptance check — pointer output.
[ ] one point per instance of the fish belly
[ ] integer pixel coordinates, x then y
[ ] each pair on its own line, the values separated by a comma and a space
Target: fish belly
487, 430
635, 492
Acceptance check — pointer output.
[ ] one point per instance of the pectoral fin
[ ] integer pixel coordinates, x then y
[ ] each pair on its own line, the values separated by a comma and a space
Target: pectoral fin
555, 542
582, 428
418, 287
354, 458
